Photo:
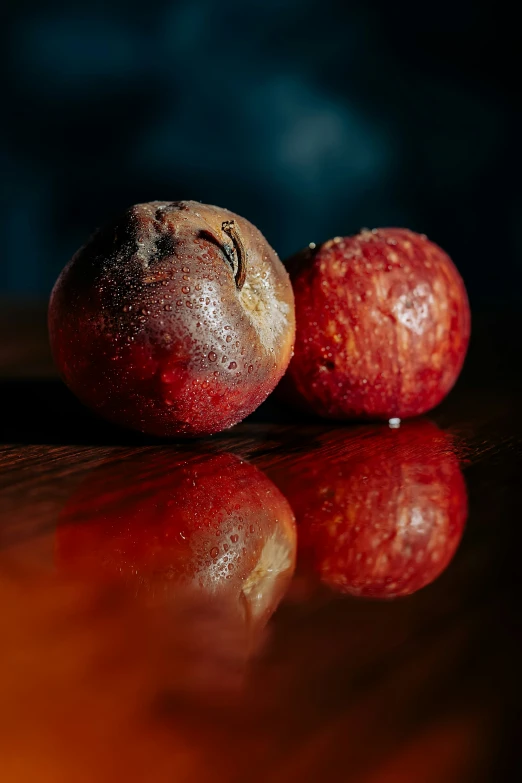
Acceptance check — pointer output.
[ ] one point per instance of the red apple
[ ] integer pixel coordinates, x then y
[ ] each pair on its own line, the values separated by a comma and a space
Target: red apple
210, 528
175, 319
381, 518
383, 324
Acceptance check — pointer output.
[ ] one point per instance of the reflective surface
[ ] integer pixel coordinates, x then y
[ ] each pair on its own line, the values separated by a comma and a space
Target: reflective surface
210, 533
382, 517
131, 651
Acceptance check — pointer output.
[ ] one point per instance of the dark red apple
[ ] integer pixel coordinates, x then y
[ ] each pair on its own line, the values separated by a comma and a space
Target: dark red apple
383, 324
208, 528
382, 517
175, 319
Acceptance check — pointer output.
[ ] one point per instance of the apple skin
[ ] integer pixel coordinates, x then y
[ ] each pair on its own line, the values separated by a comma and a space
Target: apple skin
384, 518
152, 325
383, 325
212, 529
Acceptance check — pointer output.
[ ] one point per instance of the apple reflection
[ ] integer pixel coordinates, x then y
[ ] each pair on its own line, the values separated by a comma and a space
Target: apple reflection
383, 516
210, 531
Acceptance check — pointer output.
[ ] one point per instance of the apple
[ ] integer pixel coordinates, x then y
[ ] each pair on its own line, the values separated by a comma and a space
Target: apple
212, 529
383, 325
176, 319
383, 516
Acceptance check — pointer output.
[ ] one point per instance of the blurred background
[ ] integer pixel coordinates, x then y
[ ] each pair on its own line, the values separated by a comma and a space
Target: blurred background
312, 118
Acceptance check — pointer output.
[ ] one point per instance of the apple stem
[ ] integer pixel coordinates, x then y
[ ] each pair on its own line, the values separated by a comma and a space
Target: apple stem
230, 228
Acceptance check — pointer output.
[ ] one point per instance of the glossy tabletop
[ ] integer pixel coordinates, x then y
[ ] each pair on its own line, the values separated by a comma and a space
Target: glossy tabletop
163, 618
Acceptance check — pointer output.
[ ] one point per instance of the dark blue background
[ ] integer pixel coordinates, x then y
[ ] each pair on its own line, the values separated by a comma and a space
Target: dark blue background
309, 117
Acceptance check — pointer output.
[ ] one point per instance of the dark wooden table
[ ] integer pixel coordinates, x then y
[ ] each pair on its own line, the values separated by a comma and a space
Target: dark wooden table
104, 679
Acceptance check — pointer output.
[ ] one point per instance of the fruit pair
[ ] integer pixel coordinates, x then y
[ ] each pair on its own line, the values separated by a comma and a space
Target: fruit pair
178, 319
380, 515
